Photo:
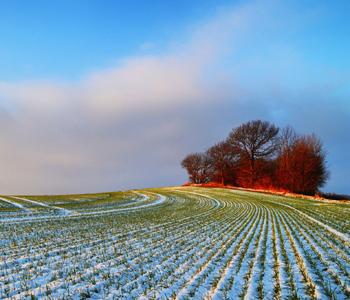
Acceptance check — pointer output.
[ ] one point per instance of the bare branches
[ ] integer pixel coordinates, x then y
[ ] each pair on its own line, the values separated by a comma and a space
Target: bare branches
224, 159
198, 166
256, 140
259, 154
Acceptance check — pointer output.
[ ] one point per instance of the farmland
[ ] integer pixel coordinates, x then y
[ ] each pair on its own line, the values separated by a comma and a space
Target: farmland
179, 242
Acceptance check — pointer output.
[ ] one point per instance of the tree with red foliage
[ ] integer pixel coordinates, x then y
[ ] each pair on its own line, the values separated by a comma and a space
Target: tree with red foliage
257, 155
301, 164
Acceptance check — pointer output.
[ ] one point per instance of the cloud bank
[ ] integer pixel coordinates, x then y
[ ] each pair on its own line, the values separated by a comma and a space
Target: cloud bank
130, 125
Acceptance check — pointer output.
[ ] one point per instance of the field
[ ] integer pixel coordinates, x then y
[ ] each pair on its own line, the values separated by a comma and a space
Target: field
177, 243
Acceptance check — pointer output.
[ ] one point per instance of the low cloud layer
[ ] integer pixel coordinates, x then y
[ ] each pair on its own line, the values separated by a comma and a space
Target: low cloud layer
129, 126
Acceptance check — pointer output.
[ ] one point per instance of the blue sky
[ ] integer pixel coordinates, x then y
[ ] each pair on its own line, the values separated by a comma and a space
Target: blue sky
65, 39
105, 95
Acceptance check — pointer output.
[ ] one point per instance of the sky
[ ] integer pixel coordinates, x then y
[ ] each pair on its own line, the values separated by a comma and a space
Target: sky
109, 95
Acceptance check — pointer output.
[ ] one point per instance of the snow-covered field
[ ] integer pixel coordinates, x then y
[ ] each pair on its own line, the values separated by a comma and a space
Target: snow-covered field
173, 243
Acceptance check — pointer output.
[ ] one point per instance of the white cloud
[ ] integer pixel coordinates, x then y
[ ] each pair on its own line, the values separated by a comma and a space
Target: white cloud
112, 125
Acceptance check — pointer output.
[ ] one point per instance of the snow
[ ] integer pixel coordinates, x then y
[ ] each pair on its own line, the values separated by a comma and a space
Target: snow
62, 211
14, 203
336, 232
69, 213
174, 243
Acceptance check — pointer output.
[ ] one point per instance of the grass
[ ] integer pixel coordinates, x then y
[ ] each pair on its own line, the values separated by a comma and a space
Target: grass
174, 243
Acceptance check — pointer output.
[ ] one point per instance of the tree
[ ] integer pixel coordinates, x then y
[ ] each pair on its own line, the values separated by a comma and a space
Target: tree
258, 155
257, 140
223, 158
283, 176
301, 165
198, 167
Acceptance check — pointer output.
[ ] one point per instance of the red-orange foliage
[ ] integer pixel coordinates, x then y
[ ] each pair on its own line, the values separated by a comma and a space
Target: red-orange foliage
257, 155
301, 166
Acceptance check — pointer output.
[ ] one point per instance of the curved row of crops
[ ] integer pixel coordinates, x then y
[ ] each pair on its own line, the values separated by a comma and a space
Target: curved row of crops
173, 243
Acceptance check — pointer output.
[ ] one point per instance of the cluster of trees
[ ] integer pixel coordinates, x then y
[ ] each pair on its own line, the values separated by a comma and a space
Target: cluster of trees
258, 154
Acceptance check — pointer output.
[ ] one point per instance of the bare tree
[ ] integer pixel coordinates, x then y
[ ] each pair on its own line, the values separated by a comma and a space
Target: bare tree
257, 140
288, 137
198, 166
224, 160
283, 176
